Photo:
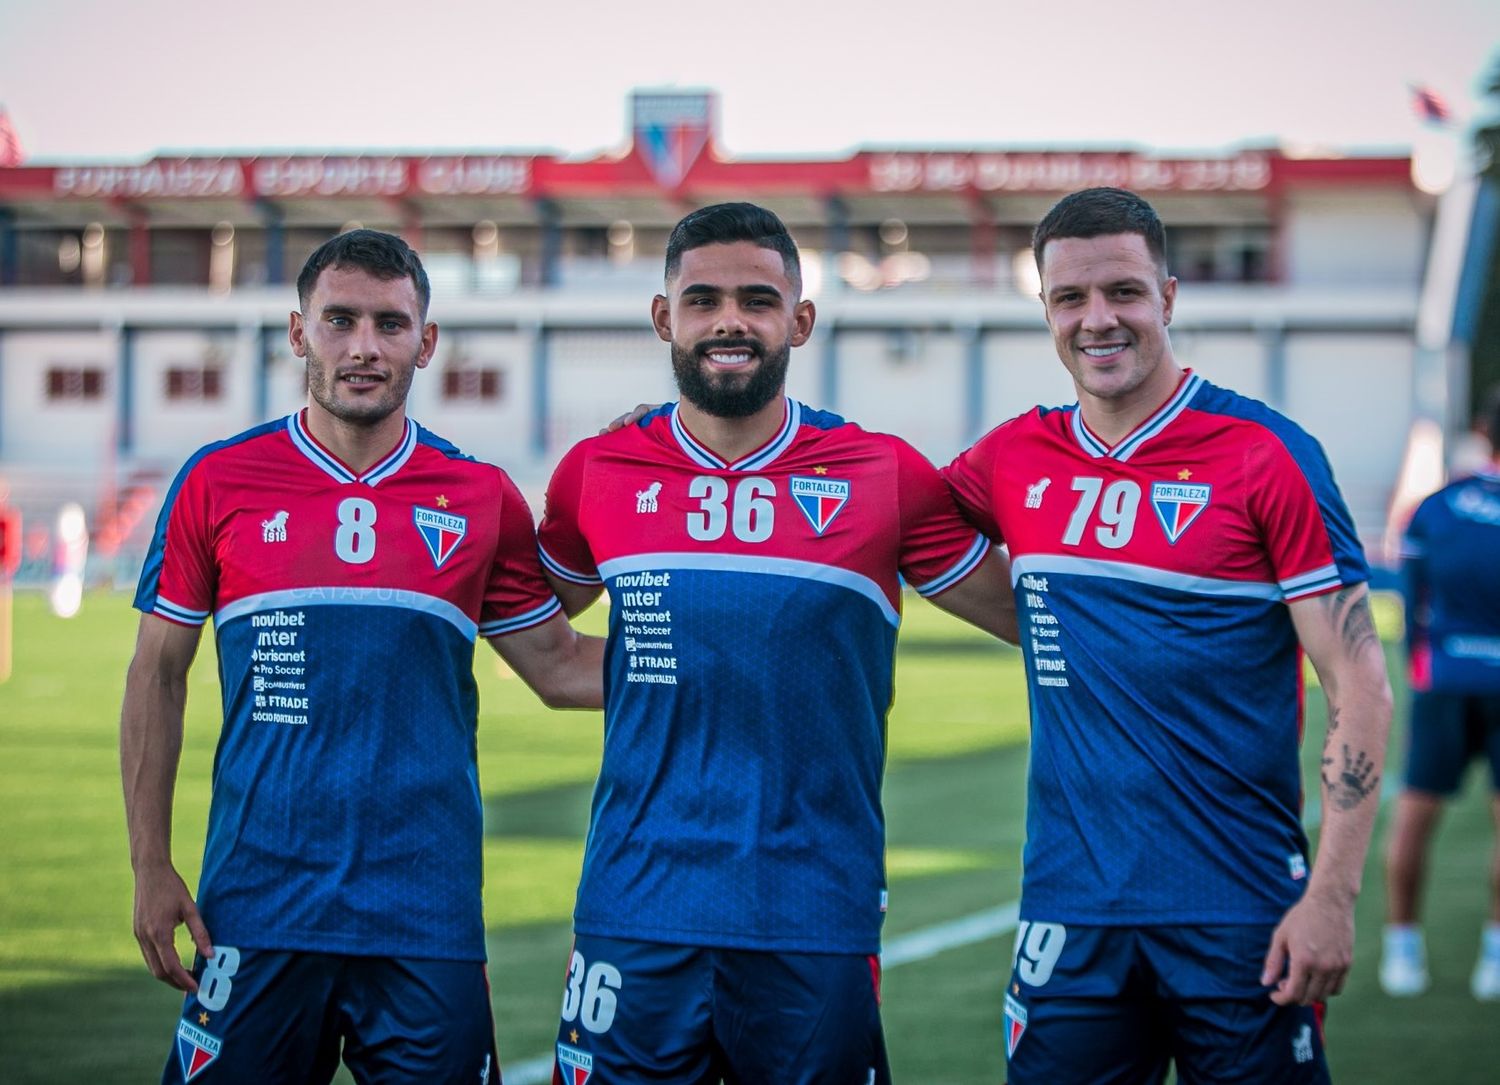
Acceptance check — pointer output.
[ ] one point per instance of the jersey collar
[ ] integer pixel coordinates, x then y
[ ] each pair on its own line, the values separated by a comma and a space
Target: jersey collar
703, 456
327, 462
1159, 420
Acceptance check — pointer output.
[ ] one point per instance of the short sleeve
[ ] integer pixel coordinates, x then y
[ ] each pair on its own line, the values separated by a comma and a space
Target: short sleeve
180, 576
1307, 531
564, 550
970, 479
938, 546
517, 595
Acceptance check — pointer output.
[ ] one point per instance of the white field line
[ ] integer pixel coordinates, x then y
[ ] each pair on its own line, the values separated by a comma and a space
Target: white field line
925, 943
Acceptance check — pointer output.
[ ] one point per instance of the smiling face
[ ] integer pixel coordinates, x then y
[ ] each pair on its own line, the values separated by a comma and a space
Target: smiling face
1108, 304
363, 338
732, 316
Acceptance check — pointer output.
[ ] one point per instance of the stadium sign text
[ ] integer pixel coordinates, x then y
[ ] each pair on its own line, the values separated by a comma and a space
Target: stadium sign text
159, 177
1043, 172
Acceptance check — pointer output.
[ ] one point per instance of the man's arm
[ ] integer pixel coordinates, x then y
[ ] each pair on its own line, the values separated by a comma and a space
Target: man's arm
564, 667
985, 598
151, 721
1314, 943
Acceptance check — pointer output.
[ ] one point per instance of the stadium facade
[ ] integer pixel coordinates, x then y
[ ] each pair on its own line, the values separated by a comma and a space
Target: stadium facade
143, 306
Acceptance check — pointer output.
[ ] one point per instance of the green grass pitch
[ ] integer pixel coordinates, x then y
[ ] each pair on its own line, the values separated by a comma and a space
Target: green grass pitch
76, 1002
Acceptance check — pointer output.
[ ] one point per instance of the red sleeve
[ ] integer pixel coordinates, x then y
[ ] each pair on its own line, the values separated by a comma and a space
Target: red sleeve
938, 547
1300, 533
517, 595
180, 579
564, 550
970, 477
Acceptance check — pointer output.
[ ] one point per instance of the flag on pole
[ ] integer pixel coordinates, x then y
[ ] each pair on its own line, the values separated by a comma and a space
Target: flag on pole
10, 145
1430, 106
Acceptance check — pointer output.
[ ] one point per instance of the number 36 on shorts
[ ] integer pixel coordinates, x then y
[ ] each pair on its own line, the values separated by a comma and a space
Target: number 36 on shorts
589, 997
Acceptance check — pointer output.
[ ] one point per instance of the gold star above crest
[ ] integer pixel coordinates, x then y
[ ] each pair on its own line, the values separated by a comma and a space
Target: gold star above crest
820, 470
573, 1035
442, 501
203, 1019
1184, 475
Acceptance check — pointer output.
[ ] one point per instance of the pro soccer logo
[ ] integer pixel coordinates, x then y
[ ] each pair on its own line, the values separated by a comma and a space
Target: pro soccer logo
196, 1049
575, 1067
1015, 1024
820, 499
1177, 505
441, 531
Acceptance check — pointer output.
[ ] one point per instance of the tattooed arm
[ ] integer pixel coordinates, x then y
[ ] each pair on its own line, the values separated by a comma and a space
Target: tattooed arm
1313, 946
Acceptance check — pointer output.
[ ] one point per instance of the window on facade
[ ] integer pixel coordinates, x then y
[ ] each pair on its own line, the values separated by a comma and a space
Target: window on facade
472, 384
188, 383
74, 382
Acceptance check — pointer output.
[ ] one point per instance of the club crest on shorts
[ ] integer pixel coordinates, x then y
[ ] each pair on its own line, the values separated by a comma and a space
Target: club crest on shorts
196, 1049
575, 1066
441, 531
820, 499
1177, 505
1015, 1024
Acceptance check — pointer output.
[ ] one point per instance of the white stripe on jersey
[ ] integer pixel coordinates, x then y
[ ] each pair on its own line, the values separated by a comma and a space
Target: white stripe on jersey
345, 596
176, 612
703, 456
536, 616
1142, 574
387, 467
1311, 583
960, 569
562, 572
744, 563
1141, 434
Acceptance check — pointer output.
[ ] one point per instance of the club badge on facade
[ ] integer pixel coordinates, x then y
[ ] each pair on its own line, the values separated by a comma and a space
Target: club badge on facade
441, 531
1177, 505
196, 1049
820, 499
1015, 1024
576, 1066
274, 529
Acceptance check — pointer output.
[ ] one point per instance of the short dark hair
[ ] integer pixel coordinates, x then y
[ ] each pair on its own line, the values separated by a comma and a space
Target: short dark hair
1100, 212
724, 223
382, 255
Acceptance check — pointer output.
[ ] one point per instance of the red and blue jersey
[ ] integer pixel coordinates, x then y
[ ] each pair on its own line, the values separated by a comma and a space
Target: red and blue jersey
346, 813
1450, 553
1164, 673
752, 628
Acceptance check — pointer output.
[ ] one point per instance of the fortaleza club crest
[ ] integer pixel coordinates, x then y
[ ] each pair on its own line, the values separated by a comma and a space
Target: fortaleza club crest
576, 1066
820, 499
441, 531
195, 1049
1177, 505
1015, 1024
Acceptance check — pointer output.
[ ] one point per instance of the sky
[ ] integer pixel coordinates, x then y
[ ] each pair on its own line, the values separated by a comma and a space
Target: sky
119, 81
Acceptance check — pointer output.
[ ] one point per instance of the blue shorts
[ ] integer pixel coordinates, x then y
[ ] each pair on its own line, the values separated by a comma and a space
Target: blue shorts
1448, 730
691, 1015
265, 1017
1116, 1005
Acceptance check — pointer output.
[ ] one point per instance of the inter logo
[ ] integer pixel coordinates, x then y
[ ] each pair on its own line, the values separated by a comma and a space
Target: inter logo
195, 1049
575, 1066
441, 531
1015, 1024
820, 499
1177, 505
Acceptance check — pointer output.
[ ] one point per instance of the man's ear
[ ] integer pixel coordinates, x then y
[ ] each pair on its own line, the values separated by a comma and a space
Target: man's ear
661, 317
804, 316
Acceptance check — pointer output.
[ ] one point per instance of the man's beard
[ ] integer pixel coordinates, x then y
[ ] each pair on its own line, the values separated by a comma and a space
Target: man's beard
323, 385
730, 394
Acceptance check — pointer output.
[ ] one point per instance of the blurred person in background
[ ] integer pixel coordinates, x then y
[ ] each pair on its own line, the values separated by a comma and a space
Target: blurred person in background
1451, 566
